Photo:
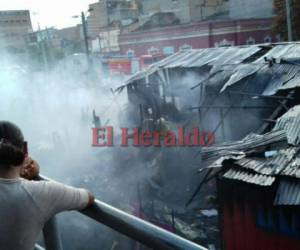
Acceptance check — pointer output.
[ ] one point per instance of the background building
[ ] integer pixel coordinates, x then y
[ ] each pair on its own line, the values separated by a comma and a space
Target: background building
124, 12
109, 40
71, 39
105, 13
98, 18
14, 25
166, 26
186, 10
251, 9
207, 34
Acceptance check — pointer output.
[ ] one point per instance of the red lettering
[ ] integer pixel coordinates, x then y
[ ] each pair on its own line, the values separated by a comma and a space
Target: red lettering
125, 137
210, 138
156, 139
180, 136
102, 134
192, 138
170, 139
146, 138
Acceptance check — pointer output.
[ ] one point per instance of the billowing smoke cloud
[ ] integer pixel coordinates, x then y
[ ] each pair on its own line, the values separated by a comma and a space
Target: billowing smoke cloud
54, 110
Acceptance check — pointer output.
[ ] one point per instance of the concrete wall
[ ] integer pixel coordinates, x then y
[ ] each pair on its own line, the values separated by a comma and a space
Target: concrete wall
203, 9
186, 10
250, 8
98, 18
181, 8
14, 25
106, 12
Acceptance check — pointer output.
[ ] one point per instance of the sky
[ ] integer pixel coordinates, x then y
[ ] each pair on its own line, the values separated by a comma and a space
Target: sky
49, 13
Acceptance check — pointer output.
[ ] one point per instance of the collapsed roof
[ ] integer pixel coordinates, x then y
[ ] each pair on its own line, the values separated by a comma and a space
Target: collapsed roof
257, 82
266, 159
231, 79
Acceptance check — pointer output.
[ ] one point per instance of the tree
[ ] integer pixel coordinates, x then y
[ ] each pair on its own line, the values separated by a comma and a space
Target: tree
281, 22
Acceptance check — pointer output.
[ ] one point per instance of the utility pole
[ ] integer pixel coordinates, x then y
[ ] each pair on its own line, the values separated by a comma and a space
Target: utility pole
85, 36
42, 46
288, 20
44, 55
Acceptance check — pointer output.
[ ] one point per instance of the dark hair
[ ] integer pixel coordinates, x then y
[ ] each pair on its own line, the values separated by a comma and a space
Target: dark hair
11, 145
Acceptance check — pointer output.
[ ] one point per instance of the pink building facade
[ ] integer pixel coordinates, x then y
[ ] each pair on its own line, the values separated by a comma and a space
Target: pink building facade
171, 39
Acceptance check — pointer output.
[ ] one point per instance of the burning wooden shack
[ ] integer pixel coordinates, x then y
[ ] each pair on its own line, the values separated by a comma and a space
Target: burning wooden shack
214, 88
229, 91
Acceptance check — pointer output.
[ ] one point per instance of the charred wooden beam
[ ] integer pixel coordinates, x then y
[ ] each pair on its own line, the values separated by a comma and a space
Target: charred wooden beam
269, 120
260, 95
230, 107
205, 180
276, 112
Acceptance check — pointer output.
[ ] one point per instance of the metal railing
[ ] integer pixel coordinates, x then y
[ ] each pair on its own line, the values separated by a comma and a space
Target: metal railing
126, 224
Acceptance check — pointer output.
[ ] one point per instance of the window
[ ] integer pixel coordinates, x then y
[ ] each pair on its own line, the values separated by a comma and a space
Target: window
250, 41
268, 39
130, 53
168, 50
186, 47
224, 43
153, 51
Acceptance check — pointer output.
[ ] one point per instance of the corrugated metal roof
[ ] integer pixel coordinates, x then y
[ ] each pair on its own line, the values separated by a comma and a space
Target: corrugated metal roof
281, 74
242, 71
248, 144
258, 179
285, 160
290, 122
286, 51
286, 130
170, 59
292, 83
185, 58
161, 64
288, 193
199, 58
253, 164
257, 165
282, 163
235, 55
206, 57
215, 56
275, 76
264, 171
